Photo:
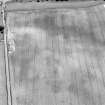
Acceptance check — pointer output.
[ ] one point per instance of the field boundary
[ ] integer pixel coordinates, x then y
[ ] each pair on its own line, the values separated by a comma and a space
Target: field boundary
29, 6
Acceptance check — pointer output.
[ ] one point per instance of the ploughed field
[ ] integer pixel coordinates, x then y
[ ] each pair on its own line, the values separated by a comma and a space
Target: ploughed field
58, 56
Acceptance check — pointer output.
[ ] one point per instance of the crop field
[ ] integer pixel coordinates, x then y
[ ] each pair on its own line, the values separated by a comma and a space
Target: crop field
57, 56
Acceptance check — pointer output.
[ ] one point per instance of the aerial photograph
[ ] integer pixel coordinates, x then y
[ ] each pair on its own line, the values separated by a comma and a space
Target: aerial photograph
52, 52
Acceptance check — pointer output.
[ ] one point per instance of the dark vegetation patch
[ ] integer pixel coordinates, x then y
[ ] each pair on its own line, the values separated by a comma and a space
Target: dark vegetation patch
1, 33
50, 0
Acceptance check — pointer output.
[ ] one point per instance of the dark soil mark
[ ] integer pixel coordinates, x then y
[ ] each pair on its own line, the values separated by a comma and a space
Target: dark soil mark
81, 90
53, 80
49, 24
23, 57
55, 85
